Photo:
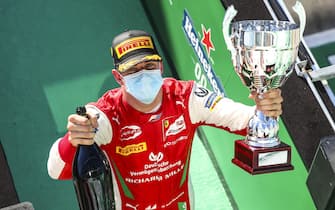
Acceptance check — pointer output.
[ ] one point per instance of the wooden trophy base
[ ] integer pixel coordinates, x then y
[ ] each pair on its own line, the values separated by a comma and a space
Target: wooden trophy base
259, 160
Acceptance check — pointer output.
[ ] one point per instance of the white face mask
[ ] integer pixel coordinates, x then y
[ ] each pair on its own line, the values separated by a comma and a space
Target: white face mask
144, 85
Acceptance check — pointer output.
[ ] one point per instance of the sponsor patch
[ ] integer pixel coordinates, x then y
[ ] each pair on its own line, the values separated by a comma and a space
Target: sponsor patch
212, 100
133, 44
131, 149
130, 132
166, 123
155, 117
174, 142
201, 92
156, 158
176, 127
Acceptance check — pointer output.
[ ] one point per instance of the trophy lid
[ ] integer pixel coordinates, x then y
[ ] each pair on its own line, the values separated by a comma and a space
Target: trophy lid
265, 25
266, 34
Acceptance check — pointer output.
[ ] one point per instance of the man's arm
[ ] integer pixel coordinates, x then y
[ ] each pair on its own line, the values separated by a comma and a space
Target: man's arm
207, 107
81, 130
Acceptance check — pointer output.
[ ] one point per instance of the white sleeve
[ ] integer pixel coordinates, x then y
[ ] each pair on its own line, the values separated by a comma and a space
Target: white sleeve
55, 163
208, 107
105, 132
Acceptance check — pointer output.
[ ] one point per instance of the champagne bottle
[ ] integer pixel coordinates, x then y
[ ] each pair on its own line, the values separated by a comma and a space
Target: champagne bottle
92, 176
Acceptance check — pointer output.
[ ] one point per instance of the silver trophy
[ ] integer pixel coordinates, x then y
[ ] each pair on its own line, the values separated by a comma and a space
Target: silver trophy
263, 54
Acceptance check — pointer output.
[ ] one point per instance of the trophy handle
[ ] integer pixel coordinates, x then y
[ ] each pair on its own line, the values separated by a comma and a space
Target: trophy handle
300, 10
229, 15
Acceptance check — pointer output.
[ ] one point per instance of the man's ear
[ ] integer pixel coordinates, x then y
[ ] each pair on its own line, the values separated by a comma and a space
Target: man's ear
117, 76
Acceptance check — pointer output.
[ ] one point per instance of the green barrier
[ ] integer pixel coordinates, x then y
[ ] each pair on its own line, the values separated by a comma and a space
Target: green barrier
190, 32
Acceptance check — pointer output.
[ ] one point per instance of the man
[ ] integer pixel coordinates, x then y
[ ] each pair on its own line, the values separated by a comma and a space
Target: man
146, 127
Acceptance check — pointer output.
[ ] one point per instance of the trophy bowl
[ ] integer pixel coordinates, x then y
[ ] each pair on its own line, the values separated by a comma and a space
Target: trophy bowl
263, 55
266, 51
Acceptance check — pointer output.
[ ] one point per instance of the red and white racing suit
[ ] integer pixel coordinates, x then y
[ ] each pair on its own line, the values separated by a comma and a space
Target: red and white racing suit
150, 152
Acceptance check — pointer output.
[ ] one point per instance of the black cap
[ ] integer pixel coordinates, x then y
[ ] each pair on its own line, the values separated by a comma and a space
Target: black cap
132, 47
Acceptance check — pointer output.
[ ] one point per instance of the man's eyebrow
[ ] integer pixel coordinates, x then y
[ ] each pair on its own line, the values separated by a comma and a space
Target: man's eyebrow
141, 65
149, 64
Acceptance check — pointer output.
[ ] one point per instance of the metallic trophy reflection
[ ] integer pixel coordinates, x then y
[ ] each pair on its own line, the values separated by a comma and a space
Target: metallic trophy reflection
263, 54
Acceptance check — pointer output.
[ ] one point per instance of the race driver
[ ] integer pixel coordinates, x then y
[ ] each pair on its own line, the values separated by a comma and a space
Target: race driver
146, 127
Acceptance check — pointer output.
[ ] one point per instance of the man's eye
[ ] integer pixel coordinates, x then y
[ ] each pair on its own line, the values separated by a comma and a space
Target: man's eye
150, 66
132, 71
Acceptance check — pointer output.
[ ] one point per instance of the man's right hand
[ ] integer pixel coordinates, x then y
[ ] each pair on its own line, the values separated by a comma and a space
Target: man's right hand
82, 129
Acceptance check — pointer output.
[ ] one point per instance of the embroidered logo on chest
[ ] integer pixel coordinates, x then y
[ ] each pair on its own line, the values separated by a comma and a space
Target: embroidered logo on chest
131, 149
130, 132
173, 126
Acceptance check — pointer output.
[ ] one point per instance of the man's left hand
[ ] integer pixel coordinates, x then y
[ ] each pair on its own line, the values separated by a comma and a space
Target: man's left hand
270, 102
